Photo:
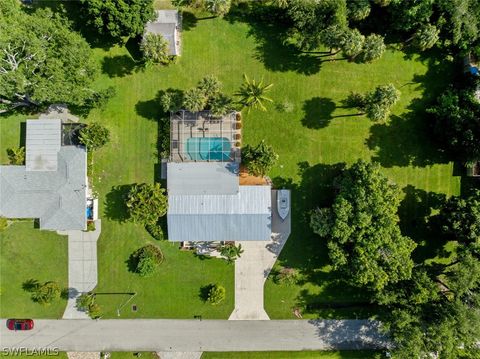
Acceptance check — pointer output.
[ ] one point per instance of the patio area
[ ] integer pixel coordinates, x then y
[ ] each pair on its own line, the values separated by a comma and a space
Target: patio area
200, 136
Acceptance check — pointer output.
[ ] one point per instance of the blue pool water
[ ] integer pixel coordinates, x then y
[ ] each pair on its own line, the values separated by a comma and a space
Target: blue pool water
89, 213
209, 148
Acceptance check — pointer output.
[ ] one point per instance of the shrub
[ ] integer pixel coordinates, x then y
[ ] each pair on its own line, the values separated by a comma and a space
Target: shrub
285, 106
3, 223
231, 252
286, 276
90, 226
155, 230
260, 159
46, 293
216, 294
146, 260
85, 300
16, 156
155, 49
87, 303
94, 136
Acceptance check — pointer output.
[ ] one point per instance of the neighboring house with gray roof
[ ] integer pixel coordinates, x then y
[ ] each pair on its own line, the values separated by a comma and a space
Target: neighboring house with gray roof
206, 202
167, 24
52, 186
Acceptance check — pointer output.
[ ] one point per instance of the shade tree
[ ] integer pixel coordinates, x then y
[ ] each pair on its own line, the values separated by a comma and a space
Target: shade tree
118, 18
39, 61
362, 230
146, 203
376, 104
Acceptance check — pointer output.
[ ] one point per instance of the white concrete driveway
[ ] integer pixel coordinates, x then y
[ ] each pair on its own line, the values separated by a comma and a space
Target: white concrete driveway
254, 266
82, 267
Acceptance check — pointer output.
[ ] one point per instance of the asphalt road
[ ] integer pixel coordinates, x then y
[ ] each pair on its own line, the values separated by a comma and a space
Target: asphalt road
195, 335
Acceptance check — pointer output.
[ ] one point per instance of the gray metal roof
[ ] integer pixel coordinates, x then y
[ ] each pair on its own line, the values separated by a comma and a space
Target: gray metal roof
165, 25
245, 216
43, 141
57, 198
202, 178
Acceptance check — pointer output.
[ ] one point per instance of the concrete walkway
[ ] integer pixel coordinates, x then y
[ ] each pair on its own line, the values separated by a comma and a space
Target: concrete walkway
82, 267
254, 266
164, 335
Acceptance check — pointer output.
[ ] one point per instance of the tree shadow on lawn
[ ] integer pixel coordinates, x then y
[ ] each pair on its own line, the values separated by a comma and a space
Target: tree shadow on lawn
305, 250
407, 139
418, 222
115, 203
272, 49
404, 141
189, 21
118, 66
203, 292
318, 112
354, 305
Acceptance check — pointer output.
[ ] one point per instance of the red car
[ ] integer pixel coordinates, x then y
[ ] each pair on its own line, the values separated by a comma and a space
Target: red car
20, 324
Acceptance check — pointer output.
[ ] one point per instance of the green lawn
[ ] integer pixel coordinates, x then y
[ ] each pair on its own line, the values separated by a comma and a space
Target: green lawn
313, 142
293, 355
27, 253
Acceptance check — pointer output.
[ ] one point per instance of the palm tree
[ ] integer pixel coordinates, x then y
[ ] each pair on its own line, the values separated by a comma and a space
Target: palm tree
231, 252
252, 93
194, 100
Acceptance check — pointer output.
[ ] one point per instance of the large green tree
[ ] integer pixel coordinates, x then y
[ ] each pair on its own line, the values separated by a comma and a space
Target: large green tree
460, 219
457, 122
119, 18
41, 60
376, 104
146, 203
373, 48
311, 17
361, 228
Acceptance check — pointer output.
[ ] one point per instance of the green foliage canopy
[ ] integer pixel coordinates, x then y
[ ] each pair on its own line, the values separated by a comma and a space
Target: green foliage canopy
259, 160
119, 18
155, 49
146, 203
361, 229
94, 136
42, 61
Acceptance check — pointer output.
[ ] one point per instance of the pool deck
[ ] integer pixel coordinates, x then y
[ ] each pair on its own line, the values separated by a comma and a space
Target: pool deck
188, 125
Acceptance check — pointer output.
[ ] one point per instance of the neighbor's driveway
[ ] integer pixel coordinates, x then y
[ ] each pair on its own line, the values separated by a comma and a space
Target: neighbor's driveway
195, 336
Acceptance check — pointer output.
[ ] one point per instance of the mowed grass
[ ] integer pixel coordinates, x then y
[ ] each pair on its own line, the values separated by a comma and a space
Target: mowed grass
361, 354
28, 253
313, 141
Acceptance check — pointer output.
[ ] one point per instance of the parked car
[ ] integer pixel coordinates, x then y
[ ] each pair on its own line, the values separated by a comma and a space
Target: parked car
20, 324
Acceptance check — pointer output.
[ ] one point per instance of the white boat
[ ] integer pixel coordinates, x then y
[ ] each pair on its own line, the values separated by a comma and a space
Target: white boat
283, 203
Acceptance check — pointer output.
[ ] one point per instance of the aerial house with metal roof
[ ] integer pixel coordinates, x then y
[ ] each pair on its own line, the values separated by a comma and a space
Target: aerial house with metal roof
206, 202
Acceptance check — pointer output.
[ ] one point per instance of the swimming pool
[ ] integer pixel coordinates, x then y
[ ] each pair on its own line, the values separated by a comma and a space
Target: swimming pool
209, 148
